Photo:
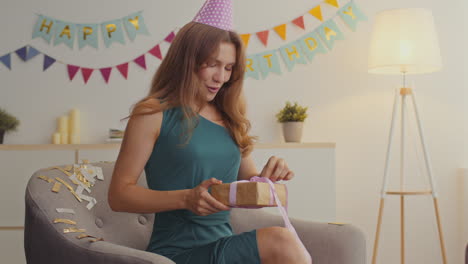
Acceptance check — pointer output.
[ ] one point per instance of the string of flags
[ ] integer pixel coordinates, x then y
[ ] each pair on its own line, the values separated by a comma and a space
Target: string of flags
87, 34
259, 65
281, 30
305, 48
28, 52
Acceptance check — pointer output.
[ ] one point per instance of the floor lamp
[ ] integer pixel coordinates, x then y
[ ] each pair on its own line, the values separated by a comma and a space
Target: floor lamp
404, 41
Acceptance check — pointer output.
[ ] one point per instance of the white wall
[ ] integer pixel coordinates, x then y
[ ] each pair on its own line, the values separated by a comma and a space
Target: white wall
347, 105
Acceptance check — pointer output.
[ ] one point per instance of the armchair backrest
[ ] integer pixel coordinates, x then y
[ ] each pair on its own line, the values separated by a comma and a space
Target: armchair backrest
43, 236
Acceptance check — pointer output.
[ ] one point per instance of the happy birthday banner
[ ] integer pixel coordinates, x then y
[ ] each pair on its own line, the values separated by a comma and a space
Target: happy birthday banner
28, 52
87, 34
304, 49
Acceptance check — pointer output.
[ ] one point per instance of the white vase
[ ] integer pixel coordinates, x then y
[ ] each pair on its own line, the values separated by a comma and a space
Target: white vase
292, 131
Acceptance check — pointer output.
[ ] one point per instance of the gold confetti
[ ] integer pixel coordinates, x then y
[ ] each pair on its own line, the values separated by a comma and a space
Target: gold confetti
45, 178
73, 230
62, 170
56, 187
68, 168
336, 223
85, 161
69, 188
64, 183
94, 239
65, 221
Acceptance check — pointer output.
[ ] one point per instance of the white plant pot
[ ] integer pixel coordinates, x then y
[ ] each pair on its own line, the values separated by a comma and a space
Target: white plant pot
292, 131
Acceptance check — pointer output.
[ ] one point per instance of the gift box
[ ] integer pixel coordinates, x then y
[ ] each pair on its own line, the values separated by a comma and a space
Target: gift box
250, 194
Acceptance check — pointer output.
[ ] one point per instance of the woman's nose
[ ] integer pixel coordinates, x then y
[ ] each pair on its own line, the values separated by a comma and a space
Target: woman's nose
218, 76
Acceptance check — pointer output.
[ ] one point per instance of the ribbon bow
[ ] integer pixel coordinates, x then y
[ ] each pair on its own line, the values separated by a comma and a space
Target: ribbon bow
273, 198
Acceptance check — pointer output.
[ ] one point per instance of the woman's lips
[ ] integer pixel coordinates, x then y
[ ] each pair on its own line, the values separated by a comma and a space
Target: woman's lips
213, 89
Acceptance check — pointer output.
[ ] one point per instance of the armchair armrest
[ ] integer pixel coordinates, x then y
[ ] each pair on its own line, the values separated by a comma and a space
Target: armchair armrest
327, 243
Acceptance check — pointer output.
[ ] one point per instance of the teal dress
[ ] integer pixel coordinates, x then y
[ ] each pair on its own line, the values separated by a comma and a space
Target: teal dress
181, 235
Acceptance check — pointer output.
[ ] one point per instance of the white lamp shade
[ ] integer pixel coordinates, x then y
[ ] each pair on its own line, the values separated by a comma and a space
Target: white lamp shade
404, 41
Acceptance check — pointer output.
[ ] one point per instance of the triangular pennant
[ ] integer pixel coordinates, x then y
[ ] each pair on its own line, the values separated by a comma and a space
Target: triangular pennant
106, 73
123, 69
22, 52
281, 30
86, 72
332, 2
317, 12
263, 36
141, 61
32, 52
72, 70
245, 38
299, 22
156, 51
48, 61
6, 60
170, 37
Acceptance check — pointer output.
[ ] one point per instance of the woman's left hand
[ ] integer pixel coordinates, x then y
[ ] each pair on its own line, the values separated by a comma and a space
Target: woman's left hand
276, 169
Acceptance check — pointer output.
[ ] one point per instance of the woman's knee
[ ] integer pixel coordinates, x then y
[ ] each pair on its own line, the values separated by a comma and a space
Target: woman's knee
277, 243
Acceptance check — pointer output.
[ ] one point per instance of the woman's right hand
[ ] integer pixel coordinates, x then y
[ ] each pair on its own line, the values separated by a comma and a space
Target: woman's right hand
200, 201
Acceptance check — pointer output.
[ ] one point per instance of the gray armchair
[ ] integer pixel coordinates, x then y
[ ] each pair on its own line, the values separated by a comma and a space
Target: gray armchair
126, 235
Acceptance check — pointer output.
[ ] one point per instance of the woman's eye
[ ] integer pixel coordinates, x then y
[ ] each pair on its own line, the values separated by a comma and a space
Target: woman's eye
229, 69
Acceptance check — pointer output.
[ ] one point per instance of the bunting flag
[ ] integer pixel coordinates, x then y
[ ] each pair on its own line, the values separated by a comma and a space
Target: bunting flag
72, 70
299, 22
123, 69
135, 24
48, 61
329, 33
32, 52
263, 36
170, 37
156, 51
86, 72
316, 12
332, 3
281, 30
245, 39
140, 61
22, 52
113, 32
87, 34
351, 15
6, 60
105, 72
64, 33
28, 52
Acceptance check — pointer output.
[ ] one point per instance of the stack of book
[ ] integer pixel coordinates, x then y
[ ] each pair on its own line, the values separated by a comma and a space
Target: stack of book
115, 135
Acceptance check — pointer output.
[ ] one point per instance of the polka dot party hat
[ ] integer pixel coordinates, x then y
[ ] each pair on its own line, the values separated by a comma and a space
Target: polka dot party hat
216, 13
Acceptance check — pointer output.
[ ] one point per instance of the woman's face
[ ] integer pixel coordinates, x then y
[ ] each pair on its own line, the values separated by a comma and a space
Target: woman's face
217, 70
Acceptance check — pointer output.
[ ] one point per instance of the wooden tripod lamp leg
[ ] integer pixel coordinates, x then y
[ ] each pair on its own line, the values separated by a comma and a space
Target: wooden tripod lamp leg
377, 233
439, 227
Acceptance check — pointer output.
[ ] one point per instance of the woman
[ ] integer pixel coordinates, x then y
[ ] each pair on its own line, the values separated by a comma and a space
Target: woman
189, 133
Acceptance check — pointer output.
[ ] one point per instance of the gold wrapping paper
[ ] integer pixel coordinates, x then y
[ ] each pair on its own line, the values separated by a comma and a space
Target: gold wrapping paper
249, 193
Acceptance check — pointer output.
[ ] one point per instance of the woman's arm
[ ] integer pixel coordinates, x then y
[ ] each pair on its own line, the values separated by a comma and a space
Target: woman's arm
276, 169
124, 194
247, 169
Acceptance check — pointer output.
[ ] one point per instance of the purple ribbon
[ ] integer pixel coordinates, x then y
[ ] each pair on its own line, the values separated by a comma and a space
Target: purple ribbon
273, 197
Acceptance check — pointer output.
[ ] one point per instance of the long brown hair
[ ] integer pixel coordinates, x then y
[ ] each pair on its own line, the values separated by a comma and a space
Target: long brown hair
176, 82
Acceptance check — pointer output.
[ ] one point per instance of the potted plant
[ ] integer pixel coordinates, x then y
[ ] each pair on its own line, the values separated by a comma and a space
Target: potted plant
7, 123
292, 119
